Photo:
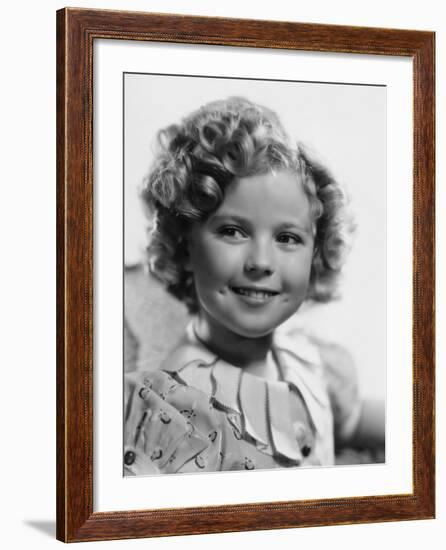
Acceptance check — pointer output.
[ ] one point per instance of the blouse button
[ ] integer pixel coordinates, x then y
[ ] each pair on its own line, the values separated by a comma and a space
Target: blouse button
157, 453
306, 450
129, 458
200, 462
213, 436
164, 417
249, 464
143, 392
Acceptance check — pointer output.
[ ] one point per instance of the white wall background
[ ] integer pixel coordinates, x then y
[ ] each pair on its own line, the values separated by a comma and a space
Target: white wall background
28, 276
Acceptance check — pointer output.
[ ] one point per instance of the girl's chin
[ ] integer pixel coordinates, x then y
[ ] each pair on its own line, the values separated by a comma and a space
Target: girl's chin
252, 332
255, 328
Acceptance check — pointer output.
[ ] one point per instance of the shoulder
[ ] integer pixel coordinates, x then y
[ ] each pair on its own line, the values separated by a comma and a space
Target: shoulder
325, 366
299, 344
324, 357
339, 367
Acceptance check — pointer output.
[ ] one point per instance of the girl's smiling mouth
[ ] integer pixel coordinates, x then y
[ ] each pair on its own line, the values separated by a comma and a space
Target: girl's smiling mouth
254, 294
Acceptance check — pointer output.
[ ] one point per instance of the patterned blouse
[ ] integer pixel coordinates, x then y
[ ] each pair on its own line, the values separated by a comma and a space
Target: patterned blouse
200, 413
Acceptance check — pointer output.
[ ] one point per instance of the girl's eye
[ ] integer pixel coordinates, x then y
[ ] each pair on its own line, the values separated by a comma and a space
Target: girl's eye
289, 238
232, 232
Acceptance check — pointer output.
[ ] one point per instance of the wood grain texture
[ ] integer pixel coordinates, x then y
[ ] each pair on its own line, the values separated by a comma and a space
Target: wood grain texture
76, 31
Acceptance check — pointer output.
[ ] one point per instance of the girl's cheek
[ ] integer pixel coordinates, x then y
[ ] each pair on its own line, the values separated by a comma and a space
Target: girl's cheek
297, 263
223, 262
214, 259
297, 273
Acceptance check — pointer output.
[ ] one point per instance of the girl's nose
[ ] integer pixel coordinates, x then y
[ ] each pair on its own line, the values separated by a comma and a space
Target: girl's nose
260, 259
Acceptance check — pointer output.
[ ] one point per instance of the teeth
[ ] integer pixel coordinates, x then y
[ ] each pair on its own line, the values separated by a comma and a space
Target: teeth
260, 294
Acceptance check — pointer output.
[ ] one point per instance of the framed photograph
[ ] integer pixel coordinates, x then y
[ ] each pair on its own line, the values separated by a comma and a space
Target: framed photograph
245, 275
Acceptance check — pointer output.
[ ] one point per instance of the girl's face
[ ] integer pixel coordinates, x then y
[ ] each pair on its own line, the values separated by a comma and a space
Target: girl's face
251, 259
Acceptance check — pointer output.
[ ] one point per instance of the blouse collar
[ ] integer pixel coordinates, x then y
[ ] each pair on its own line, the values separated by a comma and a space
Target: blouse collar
263, 405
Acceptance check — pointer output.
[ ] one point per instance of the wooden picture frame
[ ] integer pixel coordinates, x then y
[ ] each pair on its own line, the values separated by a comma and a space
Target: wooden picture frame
77, 29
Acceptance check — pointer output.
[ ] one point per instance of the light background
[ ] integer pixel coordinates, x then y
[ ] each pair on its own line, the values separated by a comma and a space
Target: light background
344, 126
28, 275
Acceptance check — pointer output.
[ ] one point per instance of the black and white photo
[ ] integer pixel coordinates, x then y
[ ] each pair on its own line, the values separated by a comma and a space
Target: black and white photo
254, 274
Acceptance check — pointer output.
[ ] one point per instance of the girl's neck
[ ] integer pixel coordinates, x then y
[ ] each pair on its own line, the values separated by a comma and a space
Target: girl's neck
251, 354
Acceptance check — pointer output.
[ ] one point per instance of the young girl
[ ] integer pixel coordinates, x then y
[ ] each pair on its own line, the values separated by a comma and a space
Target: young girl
246, 229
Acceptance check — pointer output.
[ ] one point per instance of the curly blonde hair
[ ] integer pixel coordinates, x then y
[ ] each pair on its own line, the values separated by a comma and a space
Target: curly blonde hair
196, 161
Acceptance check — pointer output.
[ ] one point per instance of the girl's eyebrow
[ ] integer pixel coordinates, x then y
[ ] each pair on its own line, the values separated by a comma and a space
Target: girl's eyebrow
292, 225
219, 218
284, 226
